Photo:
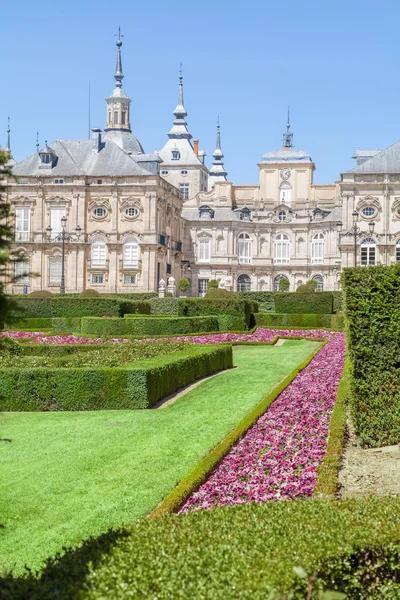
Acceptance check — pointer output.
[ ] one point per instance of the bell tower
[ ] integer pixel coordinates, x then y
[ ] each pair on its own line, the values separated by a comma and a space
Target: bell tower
118, 103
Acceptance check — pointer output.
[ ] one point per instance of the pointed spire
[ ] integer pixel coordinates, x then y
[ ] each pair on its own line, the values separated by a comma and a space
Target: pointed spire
118, 71
37, 141
8, 147
217, 171
288, 136
179, 128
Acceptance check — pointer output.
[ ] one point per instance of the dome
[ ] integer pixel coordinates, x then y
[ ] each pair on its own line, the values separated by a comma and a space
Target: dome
125, 140
286, 155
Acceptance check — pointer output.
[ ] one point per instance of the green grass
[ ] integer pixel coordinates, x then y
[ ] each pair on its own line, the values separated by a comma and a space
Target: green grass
66, 476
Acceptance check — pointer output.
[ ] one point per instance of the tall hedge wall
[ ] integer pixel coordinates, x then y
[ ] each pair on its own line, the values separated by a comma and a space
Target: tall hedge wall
190, 307
372, 313
270, 319
164, 306
158, 325
147, 382
265, 300
308, 303
69, 306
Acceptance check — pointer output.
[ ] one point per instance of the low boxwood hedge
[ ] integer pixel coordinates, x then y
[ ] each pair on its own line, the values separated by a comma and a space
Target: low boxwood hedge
276, 550
77, 306
32, 323
270, 319
191, 307
66, 324
265, 300
164, 306
157, 325
135, 386
307, 303
53, 350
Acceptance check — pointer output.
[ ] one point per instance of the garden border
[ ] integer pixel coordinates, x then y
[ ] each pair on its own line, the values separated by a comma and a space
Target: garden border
178, 496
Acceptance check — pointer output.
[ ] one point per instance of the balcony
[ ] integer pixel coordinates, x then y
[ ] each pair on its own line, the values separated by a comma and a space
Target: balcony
23, 236
130, 265
97, 265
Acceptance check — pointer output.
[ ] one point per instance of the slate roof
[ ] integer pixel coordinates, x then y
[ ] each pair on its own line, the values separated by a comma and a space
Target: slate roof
286, 155
385, 161
77, 158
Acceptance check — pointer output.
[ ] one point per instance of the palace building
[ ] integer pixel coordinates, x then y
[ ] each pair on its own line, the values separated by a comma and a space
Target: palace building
131, 219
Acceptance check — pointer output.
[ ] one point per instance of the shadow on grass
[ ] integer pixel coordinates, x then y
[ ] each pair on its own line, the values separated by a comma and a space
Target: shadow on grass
64, 575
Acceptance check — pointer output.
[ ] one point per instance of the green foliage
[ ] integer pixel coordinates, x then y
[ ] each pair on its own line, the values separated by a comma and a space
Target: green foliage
190, 307
149, 325
320, 303
313, 321
164, 306
27, 307
284, 284
328, 471
265, 300
212, 284
337, 301
97, 307
40, 294
89, 293
219, 293
108, 388
183, 285
66, 324
372, 313
32, 324
307, 288
231, 323
291, 550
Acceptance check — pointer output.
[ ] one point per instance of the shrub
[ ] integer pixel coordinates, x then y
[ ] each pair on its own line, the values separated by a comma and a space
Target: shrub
110, 388
183, 285
97, 307
40, 294
219, 293
32, 324
139, 326
307, 288
320, 303
231, 323
212, 284
314, 321
265, 300
337, 301
164, 306
89, 293
28, 307
372, 302
66, 324
191, 307
284, 284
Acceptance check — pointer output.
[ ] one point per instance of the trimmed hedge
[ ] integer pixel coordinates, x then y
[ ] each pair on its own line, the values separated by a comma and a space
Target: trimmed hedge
337, 301
270, 319
66, 324
31, 308
164, 306
138, 386
191, 307
158, 325
372, 313
77, 306
32, 323
53, 350
232, 323
314, 302
265, 300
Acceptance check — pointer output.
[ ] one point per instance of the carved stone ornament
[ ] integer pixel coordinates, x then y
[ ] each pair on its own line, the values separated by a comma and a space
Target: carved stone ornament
396, 209
130, 203
24, 201
98, 233
99, 203
24, 251
203, 235
57, 202
288, 218
53, 251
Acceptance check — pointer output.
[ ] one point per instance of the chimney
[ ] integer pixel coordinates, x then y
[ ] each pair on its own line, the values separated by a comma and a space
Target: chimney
96, 139
196, 147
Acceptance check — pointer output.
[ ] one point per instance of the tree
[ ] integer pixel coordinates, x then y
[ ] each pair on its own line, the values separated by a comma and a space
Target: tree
6, 237
183, 285
284, 284
307, 288
213, 284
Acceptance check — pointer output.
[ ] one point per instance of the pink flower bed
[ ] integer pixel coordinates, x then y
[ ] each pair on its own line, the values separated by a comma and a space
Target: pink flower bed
36, 337
278, 457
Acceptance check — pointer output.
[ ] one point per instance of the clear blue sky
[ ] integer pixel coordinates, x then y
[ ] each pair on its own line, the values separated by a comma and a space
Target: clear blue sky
335, 62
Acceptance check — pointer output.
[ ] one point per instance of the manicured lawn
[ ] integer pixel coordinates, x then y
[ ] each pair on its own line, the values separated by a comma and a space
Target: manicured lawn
68, 475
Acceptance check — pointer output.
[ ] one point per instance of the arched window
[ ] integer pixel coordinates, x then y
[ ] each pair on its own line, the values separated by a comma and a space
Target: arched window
282, 215
282, 249
397, 255
368, 252
244, 249
285, 192
243, 283
98, 252
131, 253
277, 282
320, 283
317, 249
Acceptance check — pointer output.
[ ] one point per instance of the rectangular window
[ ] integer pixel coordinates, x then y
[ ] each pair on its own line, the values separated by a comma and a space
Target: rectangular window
123, 117
184, 187
55, 270
368, 255
97, 279
203, 286
169, 269
317, 253
282, 253
22, 224
55, 220
21, 272
99, 181
59, 181
129, 279
131, 255
244, 252
398, 253
115, 117
204, 251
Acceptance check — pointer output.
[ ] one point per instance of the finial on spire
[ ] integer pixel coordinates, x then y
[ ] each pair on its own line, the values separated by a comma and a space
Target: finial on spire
218, 147
37, 141
8, 148
180, 111
118, 70
288, 136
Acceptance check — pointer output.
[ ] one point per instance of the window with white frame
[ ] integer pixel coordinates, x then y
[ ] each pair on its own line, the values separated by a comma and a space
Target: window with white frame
397, 251
317, 249
97, 279
131, 253
55, 267
98, 253
204, 251
22, 224
368, 252
202, 287
184, 187
282, 215
243, 283
21, 272
285, 192
244, 249
129, 279
282, 249
56, 214
320, 283
277, 281
175, 155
